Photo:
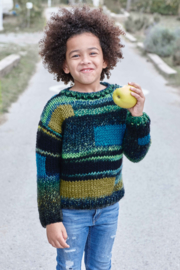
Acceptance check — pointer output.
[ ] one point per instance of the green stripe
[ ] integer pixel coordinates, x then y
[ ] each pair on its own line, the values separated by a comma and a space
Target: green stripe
117, 157
47, 153
106, 109
93, 151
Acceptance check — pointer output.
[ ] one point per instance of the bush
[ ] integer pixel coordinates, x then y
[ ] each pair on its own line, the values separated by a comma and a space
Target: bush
21, 12
165, 7
113, 5
161, 41
176, 53
156, 17
132, 25
129, 25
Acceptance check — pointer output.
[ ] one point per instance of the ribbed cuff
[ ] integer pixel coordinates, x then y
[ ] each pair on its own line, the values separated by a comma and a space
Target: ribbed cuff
137, 120
46, 220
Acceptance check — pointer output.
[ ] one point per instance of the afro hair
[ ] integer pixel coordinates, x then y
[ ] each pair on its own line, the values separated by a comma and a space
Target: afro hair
67, 23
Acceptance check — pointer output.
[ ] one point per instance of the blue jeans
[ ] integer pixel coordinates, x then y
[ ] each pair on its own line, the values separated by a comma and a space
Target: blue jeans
90, 231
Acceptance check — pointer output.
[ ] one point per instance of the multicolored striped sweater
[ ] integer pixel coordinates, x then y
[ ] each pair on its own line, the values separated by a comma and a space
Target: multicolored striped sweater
81, 139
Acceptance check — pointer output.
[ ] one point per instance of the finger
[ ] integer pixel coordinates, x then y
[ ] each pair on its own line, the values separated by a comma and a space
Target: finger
135, 90
63, 243
58, 245
140, 92
138, 97
53, 244
135, 85
64, 234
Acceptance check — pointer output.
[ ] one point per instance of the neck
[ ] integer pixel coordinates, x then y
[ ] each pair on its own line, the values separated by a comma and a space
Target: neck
87, 88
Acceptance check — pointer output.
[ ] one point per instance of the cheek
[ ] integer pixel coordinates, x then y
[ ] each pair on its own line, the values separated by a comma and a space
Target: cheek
72, 66
100, 63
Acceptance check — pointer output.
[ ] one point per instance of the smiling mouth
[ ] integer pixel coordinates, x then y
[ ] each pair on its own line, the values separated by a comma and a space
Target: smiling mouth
86, 70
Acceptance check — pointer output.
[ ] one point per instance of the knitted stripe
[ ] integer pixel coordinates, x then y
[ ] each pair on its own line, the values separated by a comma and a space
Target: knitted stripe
112, 158
88, 188
91, 151
81, 140
145, 140
91, 203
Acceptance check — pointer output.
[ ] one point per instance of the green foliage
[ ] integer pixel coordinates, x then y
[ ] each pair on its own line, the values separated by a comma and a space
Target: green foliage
156, 17
113, 5
132, 25
160, 41
141, 5
129, 25
0, 99
165, 7
123, 3
176, 52
36, 11
14, 83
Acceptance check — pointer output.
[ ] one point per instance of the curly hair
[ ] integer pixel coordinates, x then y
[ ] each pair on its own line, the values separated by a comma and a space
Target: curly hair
65, 24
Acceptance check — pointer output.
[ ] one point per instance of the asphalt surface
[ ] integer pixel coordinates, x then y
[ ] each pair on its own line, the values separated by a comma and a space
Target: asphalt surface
149, 221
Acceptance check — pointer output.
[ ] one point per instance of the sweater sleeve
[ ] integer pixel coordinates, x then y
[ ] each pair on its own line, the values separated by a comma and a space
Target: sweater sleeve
48, 157
137, 139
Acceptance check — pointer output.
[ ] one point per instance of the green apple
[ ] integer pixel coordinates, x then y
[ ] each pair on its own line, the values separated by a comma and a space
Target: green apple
123, 98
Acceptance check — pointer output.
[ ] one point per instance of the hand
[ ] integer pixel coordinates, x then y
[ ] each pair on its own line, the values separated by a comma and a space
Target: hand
57, 235
137, 110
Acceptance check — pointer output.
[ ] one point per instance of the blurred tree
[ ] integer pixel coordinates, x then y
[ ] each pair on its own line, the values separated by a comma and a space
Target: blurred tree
128, 5
21, 10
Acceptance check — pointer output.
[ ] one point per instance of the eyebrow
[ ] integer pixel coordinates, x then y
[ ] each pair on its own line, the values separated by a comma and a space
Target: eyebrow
79, 50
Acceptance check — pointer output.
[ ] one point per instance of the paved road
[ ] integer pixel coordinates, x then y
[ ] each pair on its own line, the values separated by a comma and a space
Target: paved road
148, 226
21, 39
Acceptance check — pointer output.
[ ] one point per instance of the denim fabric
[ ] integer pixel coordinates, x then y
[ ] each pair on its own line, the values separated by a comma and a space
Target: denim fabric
90, 231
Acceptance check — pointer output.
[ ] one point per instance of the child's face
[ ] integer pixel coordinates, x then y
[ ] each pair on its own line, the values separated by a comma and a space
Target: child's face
84, 59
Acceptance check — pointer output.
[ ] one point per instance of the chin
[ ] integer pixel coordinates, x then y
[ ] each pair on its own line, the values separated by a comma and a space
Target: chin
85, 81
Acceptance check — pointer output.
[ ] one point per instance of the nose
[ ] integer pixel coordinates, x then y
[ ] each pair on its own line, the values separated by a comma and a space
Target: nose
85, 60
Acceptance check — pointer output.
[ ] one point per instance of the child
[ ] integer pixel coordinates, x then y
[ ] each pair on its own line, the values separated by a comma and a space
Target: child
81, 138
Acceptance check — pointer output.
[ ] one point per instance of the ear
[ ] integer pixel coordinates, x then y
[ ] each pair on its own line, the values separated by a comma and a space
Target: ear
65, 68
104, 64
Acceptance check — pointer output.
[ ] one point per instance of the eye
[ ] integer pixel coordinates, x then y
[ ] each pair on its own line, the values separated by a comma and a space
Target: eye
93, 53
76, 55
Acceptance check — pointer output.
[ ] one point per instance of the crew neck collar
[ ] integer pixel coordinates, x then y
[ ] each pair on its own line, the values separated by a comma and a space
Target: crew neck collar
90, 95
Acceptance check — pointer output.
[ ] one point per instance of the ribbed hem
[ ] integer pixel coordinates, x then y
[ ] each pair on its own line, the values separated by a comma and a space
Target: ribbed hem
67, 203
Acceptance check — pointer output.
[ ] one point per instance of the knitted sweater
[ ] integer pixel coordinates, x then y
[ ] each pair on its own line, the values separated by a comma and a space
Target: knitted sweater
81, 139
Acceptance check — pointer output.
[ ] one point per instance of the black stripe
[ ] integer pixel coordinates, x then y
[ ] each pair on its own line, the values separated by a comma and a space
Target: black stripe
88, 167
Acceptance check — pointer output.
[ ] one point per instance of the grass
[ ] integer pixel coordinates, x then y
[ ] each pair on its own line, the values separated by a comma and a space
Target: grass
169, 21
173, 80
11, 24
11, 87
